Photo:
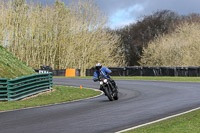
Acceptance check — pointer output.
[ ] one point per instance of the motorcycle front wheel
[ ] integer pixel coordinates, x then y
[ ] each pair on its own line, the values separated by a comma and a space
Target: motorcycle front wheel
108, 92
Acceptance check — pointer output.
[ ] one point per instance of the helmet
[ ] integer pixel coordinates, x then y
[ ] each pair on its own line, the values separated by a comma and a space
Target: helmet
98, 66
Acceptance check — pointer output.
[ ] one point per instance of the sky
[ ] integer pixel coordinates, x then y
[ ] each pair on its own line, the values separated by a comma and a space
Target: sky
124, 12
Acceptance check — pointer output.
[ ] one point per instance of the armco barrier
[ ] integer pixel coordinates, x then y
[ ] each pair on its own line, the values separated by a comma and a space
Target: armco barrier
138, 71
151, 71
61, 72
16, 89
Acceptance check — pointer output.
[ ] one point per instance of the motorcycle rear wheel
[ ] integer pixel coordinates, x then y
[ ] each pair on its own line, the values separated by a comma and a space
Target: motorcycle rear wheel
116, 96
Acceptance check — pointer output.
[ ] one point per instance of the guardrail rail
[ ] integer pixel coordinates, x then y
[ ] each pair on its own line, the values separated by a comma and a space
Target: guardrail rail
19, 88
151, 71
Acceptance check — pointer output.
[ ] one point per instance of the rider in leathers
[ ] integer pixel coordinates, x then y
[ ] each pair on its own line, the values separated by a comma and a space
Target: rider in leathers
102, 72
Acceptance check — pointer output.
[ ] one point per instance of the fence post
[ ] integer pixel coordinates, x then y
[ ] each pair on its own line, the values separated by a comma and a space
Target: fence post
50, 78
124, 71
141, 71
8, 90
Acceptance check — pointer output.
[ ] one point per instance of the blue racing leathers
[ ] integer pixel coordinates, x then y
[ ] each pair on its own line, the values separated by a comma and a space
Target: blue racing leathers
102, 73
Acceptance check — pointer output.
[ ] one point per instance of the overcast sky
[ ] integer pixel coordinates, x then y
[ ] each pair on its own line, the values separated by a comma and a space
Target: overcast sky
123, 12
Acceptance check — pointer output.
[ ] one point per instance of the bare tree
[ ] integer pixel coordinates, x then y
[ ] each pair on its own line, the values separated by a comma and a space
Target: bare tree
58, 35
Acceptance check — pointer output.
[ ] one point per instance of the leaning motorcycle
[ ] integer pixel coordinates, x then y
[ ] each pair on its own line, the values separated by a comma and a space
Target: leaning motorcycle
110, 90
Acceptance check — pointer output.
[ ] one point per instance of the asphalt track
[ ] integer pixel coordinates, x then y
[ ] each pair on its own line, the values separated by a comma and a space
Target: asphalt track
139, 102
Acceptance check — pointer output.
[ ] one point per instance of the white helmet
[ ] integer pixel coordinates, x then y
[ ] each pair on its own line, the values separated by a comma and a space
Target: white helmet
98, 66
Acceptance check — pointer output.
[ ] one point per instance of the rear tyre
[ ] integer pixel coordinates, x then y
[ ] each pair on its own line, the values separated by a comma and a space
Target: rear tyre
116, 93
116, 96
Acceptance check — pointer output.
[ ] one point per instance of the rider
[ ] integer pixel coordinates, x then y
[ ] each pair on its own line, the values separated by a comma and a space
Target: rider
102, 72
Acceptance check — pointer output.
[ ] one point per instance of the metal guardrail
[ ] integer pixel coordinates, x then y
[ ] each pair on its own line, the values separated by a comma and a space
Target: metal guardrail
19, 88
151, 71
59, 72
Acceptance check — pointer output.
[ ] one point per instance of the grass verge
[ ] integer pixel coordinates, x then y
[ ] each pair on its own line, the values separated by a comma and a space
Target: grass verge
61, 94
187, 123
177, 79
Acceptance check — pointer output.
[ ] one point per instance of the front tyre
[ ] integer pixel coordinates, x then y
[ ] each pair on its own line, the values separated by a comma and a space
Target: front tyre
108, 92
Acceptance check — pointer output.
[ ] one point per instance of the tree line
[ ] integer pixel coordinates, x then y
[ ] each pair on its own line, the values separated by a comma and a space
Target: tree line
137, 36
61, 36
76, 36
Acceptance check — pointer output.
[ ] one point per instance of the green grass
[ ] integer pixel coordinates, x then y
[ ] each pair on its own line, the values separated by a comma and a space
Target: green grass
177, 79
61, 94
187, 123
79, 77
11, 67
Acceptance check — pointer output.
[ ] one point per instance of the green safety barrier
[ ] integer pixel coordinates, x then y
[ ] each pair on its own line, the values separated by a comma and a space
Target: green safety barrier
19, 88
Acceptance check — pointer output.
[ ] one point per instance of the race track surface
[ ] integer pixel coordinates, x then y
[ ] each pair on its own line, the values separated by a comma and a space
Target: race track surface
139, 102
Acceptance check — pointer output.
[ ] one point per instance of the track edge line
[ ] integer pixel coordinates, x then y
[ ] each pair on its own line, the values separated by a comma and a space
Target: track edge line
162, 119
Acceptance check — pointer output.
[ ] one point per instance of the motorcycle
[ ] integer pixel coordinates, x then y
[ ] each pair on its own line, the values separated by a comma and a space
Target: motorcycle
110, 90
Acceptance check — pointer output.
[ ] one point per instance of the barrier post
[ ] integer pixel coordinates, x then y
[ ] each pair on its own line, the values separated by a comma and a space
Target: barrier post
8, 90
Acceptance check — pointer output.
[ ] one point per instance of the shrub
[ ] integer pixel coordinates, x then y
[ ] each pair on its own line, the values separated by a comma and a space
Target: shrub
179, 48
